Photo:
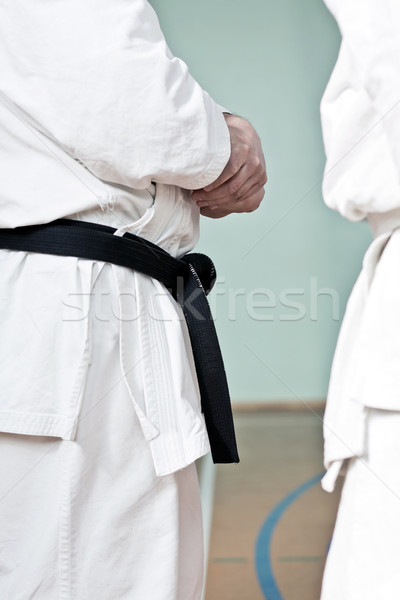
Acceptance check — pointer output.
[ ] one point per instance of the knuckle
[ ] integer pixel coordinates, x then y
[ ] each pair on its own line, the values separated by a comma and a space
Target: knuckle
246, 148
237, 163
254, 202
249, 206
232, 189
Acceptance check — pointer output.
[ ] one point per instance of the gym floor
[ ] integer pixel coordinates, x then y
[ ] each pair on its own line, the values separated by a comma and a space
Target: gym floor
272, 522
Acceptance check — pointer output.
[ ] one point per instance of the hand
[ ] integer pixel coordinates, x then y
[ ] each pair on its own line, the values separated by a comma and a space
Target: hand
240, 187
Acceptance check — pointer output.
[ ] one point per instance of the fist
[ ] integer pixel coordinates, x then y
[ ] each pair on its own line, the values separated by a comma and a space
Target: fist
240, 187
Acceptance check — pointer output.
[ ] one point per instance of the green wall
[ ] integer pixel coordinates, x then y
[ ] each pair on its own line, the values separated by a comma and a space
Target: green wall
269, 60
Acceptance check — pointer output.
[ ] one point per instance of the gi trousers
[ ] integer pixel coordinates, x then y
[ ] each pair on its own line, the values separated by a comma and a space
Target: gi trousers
88, 518
364, 556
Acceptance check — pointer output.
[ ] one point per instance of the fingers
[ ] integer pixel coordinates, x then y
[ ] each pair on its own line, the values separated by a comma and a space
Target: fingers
244, 184
238, 158
248, 205
214, 214
239, 188
251, 203
252, 188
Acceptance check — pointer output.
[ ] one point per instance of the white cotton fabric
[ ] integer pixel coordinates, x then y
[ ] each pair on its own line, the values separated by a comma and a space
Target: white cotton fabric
360, 110
364, 555
90, 518
44, 304
360, 114
99, 122
97, 79
365, 366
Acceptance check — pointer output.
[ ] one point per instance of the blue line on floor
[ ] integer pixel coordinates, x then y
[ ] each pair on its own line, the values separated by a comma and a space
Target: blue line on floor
263, 545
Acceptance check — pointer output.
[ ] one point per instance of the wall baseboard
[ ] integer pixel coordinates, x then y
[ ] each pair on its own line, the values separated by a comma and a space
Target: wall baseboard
241, 407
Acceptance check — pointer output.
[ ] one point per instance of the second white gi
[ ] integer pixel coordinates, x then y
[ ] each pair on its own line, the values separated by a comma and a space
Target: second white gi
361, 126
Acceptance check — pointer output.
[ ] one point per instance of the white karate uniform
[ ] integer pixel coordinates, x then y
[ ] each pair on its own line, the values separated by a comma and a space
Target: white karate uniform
361, 127
100, 417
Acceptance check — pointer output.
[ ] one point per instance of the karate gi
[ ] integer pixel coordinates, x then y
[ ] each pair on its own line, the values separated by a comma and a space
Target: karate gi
361, 127
100, 417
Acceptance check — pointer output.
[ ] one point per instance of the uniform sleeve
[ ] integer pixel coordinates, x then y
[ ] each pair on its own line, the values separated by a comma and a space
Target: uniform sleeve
98, 77
360, 122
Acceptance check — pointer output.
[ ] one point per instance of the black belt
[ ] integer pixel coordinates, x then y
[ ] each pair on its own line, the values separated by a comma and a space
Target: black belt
188, 279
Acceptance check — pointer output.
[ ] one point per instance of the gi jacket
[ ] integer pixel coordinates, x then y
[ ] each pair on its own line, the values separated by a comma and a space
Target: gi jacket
361, 126
98, 121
